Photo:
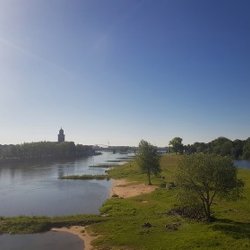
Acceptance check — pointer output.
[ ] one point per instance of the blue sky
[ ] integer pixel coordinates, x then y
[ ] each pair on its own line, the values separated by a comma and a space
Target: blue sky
119, 71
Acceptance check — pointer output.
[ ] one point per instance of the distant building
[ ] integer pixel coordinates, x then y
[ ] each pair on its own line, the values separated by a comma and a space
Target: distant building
61, 136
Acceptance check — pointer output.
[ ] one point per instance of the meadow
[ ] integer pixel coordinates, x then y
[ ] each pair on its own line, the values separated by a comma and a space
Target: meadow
144, 222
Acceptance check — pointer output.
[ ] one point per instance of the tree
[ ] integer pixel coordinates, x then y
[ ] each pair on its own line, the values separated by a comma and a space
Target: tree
201, 147
203, 177
221, 146
237, 150
177, 145
189, 149
148, 160
246, 150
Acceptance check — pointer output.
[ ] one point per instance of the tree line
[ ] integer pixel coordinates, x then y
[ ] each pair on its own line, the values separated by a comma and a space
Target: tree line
44, 150
237, 149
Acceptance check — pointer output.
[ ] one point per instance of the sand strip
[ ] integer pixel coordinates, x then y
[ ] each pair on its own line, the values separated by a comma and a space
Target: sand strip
81, 232
125, 189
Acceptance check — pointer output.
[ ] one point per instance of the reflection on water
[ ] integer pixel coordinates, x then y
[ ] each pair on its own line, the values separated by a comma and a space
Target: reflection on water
43, 241
34, 189
242, 164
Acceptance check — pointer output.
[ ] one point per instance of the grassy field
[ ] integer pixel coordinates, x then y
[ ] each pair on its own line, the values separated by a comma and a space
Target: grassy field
127, 228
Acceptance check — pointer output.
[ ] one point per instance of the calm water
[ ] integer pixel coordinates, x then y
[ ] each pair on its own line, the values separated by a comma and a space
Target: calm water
242, 164
43, 241
34, 189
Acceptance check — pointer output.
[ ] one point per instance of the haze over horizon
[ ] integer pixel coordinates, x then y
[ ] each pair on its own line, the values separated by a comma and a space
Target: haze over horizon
121, 71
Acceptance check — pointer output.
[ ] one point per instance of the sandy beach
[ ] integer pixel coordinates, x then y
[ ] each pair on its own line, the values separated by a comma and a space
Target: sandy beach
122, 188
126, 189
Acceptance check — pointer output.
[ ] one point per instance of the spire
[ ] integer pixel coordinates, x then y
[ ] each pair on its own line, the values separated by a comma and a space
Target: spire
61, 136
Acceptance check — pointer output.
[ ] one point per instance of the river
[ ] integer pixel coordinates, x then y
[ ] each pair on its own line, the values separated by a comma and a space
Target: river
35, 189
41, 241
242, 164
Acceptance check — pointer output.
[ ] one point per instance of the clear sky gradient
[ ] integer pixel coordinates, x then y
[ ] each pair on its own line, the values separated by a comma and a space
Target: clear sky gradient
119, 71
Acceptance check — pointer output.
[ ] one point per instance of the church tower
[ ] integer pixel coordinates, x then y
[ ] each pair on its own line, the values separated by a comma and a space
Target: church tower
61, 136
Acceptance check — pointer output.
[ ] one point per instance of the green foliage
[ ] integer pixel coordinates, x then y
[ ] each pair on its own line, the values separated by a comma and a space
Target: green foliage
203, 177
148, 159
85, 177
44, 150
221, 146
177, 145
37, 224
236, 149
200, 147
246, 150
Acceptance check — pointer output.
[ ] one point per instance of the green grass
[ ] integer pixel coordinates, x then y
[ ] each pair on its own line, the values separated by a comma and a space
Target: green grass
101, 166
132, 172
114, 161
85, 177
37, 224
126, 217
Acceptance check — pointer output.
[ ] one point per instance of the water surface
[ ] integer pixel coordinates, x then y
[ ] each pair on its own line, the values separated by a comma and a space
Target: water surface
242, 164
35, 189
42, 241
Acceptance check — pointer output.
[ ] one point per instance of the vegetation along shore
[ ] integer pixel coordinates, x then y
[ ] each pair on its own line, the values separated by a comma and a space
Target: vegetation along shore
150, 219
40, 151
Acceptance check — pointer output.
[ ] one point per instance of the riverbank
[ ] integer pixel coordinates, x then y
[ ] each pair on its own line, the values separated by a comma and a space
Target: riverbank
120, 188
81, 232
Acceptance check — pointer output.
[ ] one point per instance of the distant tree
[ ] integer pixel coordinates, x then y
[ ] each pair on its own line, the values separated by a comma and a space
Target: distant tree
148, 160
189, 149
246, 149
177, 145
237, 149
44, 150
203, 177
201, 147
221, 146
